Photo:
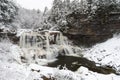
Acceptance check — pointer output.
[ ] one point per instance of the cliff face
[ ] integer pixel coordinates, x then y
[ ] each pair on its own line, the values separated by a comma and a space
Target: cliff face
7, 34
89, 32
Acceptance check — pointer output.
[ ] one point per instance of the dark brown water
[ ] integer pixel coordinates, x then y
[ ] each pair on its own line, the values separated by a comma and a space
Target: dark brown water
73, 63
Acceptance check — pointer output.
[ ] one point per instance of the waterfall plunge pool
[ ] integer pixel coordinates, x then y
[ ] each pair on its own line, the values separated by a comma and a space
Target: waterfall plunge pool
73, 63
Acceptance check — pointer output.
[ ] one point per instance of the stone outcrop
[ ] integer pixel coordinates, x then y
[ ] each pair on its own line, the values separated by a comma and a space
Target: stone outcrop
11, 35
88, 32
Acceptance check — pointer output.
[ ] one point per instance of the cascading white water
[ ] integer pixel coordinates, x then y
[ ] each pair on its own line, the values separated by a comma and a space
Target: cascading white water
44, 43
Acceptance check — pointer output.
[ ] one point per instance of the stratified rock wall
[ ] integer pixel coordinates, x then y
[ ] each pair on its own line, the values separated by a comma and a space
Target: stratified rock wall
88, 32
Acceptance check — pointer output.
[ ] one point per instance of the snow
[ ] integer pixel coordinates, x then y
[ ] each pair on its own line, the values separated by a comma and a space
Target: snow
16, 53
11, 72
89, 75
11, 67
5, 50
106, 53
21, 31
23, 72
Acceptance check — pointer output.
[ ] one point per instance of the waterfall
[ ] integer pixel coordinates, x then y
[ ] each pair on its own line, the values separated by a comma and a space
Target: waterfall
44, 43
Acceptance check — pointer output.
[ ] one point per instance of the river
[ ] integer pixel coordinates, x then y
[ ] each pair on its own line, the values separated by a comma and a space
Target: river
73, 63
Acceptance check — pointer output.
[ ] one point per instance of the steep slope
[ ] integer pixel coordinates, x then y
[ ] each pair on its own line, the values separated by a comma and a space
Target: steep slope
106, 53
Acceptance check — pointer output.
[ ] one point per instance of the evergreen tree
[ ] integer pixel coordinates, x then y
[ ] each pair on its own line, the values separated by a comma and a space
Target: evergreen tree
104, 8
67, 3
28, 19
56, 10
58, 13
45, 11
75, 5
83, 6
8, 11
89, 3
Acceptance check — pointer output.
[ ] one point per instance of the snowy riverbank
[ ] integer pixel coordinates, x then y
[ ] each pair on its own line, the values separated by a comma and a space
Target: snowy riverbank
106, 53
14, 71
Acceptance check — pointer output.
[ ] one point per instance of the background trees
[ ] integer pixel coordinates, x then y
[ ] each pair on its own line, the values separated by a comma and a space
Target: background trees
8, 11
104, 8
28, 19
98, 10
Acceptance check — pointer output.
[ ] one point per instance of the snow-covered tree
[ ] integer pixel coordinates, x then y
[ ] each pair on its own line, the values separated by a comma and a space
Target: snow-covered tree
45, 11
104, 8
8, 11
75, 4
56, 10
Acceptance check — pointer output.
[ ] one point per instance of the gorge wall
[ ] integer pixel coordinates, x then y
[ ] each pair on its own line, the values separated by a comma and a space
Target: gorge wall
89, 32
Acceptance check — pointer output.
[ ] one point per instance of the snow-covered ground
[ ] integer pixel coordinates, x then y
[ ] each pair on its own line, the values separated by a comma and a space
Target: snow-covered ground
14, 71
11, 67
106, 53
